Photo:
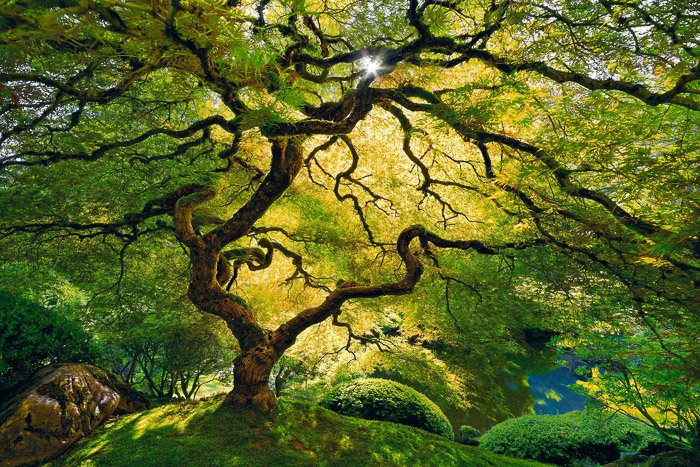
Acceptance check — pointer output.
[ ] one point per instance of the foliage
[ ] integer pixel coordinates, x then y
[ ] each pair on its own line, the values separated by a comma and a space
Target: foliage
42, 285
381, 399
171, 353
279, 163
469, 435
286, 372
413, 366
297, 433
32, 335
649, 375
678, 458
570, 437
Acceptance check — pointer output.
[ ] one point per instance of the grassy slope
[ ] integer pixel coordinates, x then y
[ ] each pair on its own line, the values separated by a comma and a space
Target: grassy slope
206, 434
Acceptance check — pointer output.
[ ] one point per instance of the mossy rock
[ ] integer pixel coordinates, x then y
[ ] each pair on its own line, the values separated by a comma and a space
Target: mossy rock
381, 399
569, 438
677, 458
469, 435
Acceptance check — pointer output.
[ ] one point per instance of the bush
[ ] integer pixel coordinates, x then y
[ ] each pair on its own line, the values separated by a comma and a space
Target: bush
380, 399
567, 438
32, 336
677, 458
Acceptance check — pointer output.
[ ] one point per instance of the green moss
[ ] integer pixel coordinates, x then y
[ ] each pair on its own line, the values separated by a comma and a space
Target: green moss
381, 399
32, 335
297, 433
237, 299
570, 437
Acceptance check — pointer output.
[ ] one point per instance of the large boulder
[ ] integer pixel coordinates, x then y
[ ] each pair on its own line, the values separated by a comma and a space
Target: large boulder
59, 405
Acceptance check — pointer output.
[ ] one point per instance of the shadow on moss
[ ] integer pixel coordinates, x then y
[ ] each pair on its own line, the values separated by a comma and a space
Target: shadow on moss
207, 433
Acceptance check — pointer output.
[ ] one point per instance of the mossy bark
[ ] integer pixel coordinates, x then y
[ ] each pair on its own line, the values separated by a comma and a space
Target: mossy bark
211, 271
250, 379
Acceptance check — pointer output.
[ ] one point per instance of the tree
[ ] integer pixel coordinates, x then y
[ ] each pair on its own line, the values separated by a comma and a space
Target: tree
568, 126
173, 353
637, 377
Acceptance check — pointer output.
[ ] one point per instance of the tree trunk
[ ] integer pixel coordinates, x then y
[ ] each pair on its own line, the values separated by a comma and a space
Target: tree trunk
211, 272
279, 381
251, 374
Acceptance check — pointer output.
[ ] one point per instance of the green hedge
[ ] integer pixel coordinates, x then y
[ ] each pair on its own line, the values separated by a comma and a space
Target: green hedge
570, 437
381, 399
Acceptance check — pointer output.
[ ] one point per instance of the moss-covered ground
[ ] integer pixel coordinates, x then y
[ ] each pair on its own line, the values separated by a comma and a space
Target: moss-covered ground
206, 433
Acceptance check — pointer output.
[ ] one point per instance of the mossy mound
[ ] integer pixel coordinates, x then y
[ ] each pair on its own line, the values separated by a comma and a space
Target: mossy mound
569, 438
381, 399
296, 434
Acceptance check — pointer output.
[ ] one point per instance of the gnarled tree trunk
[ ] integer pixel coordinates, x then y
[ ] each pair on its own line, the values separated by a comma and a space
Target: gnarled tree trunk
211, 271
250, 379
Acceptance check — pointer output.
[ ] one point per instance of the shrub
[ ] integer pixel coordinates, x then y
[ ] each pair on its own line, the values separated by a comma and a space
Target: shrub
32, 335
381, 399
564, 439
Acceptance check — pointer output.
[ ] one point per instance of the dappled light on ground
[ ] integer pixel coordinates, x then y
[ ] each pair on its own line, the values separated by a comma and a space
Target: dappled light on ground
207, 433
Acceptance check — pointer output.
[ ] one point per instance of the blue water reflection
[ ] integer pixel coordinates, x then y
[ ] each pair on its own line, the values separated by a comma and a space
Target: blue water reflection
552, 394
533, 384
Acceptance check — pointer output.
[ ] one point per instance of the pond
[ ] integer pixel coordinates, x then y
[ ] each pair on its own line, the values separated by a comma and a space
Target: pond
536, 383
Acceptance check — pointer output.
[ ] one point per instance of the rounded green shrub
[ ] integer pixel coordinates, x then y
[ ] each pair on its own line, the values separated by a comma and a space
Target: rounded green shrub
567, 438
381, 399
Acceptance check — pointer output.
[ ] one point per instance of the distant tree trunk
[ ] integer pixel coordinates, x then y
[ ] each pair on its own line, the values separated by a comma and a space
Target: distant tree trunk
279, 382
285, 371
131, 373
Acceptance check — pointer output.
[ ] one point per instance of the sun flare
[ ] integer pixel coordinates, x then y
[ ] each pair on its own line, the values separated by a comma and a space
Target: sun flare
372, 66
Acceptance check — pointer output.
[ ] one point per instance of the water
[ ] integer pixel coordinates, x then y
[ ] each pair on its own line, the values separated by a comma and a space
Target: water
552, 396
533, 384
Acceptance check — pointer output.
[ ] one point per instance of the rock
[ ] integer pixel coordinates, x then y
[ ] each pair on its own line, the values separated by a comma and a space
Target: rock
59, 405
469, 435
131, 400
677, 458
628, 459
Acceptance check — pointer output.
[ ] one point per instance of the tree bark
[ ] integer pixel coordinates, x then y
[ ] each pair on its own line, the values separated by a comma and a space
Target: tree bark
210, 272
251, 374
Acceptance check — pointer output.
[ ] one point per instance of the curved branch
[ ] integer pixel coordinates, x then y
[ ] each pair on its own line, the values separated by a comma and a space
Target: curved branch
100, 97
287, 160
184, 207
48, 157
636, 90
440, 110
156, 207
284, 336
